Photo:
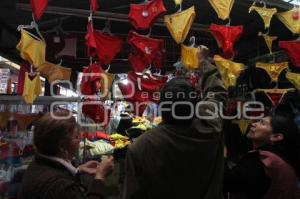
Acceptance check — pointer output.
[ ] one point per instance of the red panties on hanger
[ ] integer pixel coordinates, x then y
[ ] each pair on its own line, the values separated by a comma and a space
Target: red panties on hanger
38, 7
226, 37
105, 46
143, 15
293, 50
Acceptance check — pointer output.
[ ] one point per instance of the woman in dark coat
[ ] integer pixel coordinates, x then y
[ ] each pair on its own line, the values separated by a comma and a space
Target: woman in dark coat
272, 169
51, 175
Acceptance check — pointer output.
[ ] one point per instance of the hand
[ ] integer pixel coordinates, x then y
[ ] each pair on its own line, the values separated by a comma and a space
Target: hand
104, 168
89, 167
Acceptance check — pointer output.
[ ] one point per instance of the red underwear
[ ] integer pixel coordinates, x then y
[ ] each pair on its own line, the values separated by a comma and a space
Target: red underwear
158, 61
226, 37
142, 16
293, 50
145, 47
106, 47
87, 81
94, 5
137, 63
38, 7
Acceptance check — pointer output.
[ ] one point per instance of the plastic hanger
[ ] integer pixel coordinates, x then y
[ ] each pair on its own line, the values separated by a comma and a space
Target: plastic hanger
107, 68
33, 25
180, 8
192, 41
229, 22
149, 33
32, 73
107, 27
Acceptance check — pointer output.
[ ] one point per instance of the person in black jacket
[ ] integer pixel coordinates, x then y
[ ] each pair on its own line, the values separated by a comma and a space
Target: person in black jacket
271, 169
51, 175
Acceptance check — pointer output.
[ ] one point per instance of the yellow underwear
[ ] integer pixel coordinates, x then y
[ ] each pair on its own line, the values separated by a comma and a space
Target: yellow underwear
294, 78
265, 13
54, 72
32, 88
222, 7
273, 70
180, 23
229, 70
106, 84
269, 41
189, 57
291, 19
178, 2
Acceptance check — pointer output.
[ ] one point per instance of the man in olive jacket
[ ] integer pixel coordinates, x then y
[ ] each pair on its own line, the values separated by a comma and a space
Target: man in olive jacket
181, 158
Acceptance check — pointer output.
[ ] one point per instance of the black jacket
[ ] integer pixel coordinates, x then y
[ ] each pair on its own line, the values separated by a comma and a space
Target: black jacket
186, 161
46, 179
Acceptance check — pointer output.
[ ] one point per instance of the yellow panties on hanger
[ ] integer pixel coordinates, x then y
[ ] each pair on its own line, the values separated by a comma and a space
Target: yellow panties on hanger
32, 49
189, 57
294, 78
243, 125
265, 13
229, 70
269, 41
106, 84
180, 23
32, 88
178, 2
291, 19
273, 69
222, 7
54, 72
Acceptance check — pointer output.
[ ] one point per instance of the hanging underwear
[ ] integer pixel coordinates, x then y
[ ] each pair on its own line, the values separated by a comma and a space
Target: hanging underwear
222, 7
294, 78
90, 74
178, 2
142, 16
24, 67
137, 63
273, 70
106, 84
105, 46
70, 48
293, 50
145, 47
269, 41
275, 95
38, 7
226, 37
229, 70
24, 120
54, 72
94, 5
243, 125
265, 13
158, 61
179, 24
31, 49
291, 19
189, 57
32, 88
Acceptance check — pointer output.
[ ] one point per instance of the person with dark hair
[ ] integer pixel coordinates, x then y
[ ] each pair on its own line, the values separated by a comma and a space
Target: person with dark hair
183, 156
270, 171
51, 174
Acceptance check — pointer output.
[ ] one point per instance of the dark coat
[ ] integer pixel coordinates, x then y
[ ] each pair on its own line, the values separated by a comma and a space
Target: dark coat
186, 161
46, 179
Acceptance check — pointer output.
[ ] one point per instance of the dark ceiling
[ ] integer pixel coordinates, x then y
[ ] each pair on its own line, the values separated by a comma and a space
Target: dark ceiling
73, 15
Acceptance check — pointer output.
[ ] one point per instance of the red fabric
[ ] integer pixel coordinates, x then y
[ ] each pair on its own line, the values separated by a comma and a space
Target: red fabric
87, 81
38, 8
137, 63
94, 5
142, 16
160, 57
292, 48
102, 135
24, 67
8, 150
275, 98
106, 47
226, 37
145, 47
97, 112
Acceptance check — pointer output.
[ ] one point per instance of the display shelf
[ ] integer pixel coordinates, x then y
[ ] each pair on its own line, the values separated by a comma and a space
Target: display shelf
41, 100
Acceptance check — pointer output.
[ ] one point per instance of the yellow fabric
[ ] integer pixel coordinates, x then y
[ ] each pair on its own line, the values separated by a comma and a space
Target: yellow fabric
269, 41
273, 69
106, 84
291, 19
31, 49
32, 88
265, 13
54, 72
180, 23
178, 2
229, 70
189, 57
294, 78
222, 7
243, 125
